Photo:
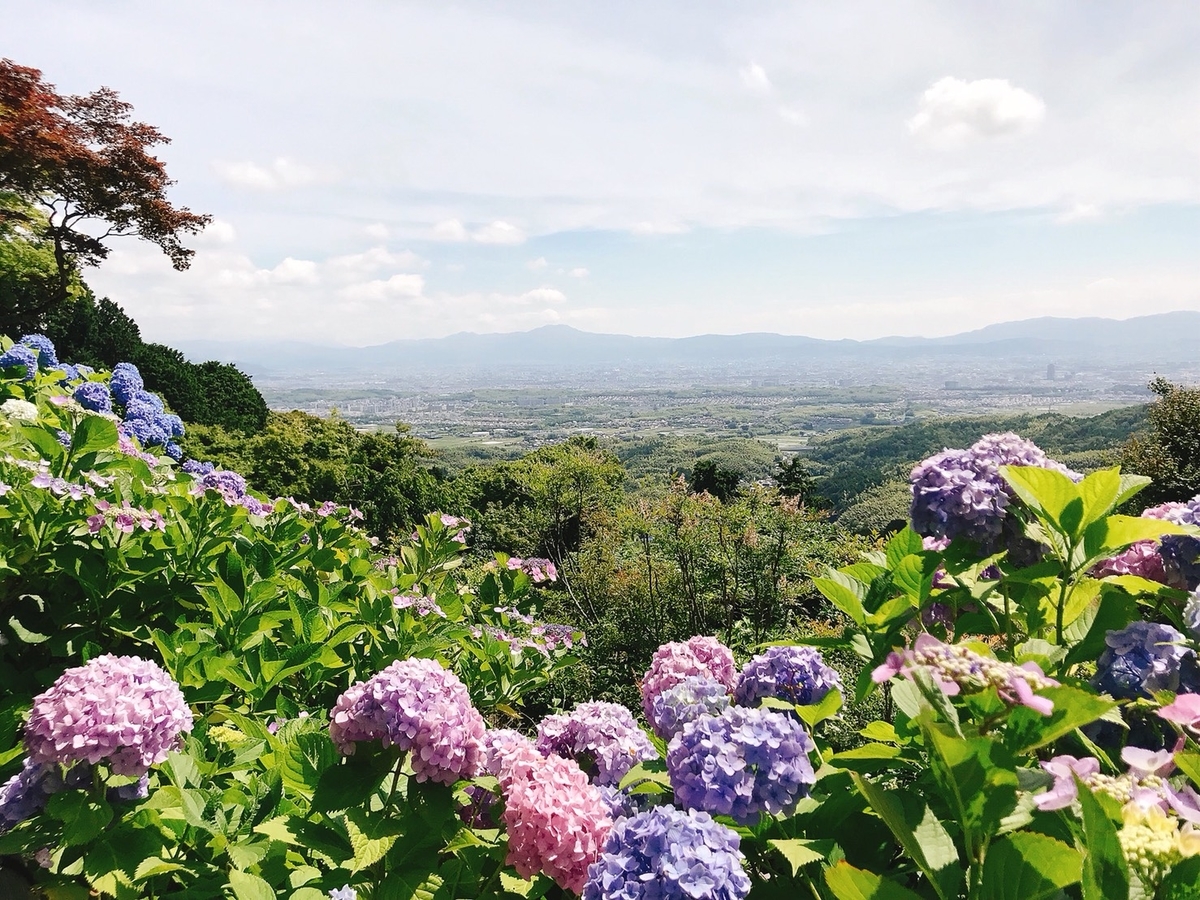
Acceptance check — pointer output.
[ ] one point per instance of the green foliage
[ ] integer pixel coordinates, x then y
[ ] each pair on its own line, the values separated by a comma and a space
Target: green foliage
1169, 451
711, 478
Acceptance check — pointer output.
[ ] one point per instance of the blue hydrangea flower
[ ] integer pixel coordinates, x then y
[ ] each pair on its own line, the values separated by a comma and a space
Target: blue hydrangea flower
152, 400
196, 467
695, 696
20, 355
666, 854
70, 373
63, 438
171, 424
48, 357
173, 450
796, 674
1142, 658
94, 396
25, 794
741, 763
622, 804
125, 382
84, 371
145, 430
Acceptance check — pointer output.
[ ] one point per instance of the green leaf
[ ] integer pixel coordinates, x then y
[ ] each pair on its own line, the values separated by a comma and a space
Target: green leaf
367, 850
305, 759
43, 441
250, 887
352, 783
977, 776
867, 758
1181, 881
845, 593
1112, 534
826, 708
914, 576
105, 874
83, 817
93, 433
1188, 762
923, 837
1100, 491
798, 852
1051, 495
1105, 876
904, 542
1029, 730
1026, 865
849, 883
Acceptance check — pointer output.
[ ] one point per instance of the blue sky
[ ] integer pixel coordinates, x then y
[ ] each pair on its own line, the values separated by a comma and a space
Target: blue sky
384, 170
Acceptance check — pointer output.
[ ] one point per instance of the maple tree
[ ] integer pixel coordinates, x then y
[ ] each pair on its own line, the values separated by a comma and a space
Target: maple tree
75, 170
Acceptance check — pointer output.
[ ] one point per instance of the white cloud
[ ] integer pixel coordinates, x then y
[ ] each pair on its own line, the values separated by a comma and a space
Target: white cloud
450, 230
544, 295
281, 174
535, 264
792, 115
653, 228
374, 259
378, 231
499, 233
294, 271
398, 287
218, 231
579, 272
754, 77
953, 111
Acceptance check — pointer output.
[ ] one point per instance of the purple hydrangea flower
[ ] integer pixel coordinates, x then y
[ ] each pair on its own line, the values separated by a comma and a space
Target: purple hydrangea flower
121, 709
741, 763
667, 854
94, 396
796, 674
20, 355
48, 357
1181, 559
345, 892
126, 381
230, 485
420, 707
602, 737
695, 696
25, 794
196, 467
63, 438
960, 493
1142, 658
622, 804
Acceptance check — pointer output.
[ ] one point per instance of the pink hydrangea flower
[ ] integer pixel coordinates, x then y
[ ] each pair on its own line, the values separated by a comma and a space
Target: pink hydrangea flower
675, 661
121, 709
1184, 710
556, 821
420, 707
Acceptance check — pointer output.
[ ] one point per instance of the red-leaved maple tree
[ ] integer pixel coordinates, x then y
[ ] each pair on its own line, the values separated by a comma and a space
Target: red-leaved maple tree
86, 166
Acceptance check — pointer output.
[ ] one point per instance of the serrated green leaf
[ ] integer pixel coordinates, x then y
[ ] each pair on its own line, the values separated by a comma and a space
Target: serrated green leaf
845, 593
247, 886
1026, 865
1105, 875
799, 852
367, 850
93, 433
849, 883
1028, 730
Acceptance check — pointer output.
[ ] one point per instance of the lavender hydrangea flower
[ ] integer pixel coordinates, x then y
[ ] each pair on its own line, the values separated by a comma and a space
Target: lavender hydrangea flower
741, 763
126, 381
675, 661
94, 396
961, 493
121, 709
1142, 658
667, 854
48, 356
1181, 559
345, 892
229, 485
419, 707
25, 794
796, 674
602, 737
622, 804
695, 696
196, 467
20, 355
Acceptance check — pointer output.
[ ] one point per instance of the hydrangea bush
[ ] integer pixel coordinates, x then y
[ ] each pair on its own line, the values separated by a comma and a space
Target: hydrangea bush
205, 692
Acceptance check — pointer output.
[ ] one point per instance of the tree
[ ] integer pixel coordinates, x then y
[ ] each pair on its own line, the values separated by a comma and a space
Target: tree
76, 171
709, 476
794, 479
1169, 452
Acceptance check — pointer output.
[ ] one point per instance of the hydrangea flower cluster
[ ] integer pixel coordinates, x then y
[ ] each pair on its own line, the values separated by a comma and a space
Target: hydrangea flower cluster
1181, 559
120, 709
1154, 842
47, 355
19, 410
419, 707
1145, 657
25, 794
94, 397
230, 485
957, 668
666, 854
695, 696
622, 804
538, 570
960, 493
125, 518
504, 751
741, 763
556, 821
796, 674
602, 737
1141, 559
675, 661
1173, 560
19, 355
1144, 782
60, 487
422, 605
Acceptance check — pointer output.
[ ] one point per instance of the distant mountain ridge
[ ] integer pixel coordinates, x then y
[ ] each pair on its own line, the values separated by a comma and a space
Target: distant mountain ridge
1171, 336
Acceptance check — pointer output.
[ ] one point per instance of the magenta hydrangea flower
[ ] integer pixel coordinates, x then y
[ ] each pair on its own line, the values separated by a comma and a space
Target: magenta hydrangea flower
675, 661
742, 763
120, 709
797, 674
556, 821
602, 737
419, 707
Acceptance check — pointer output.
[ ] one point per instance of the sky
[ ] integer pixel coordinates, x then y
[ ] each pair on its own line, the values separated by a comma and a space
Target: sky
384, 170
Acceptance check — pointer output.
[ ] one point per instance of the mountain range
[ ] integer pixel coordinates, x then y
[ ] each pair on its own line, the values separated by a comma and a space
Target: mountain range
1164, 338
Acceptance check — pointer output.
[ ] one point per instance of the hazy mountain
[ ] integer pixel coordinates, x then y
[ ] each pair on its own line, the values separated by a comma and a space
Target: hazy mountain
1167, 337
